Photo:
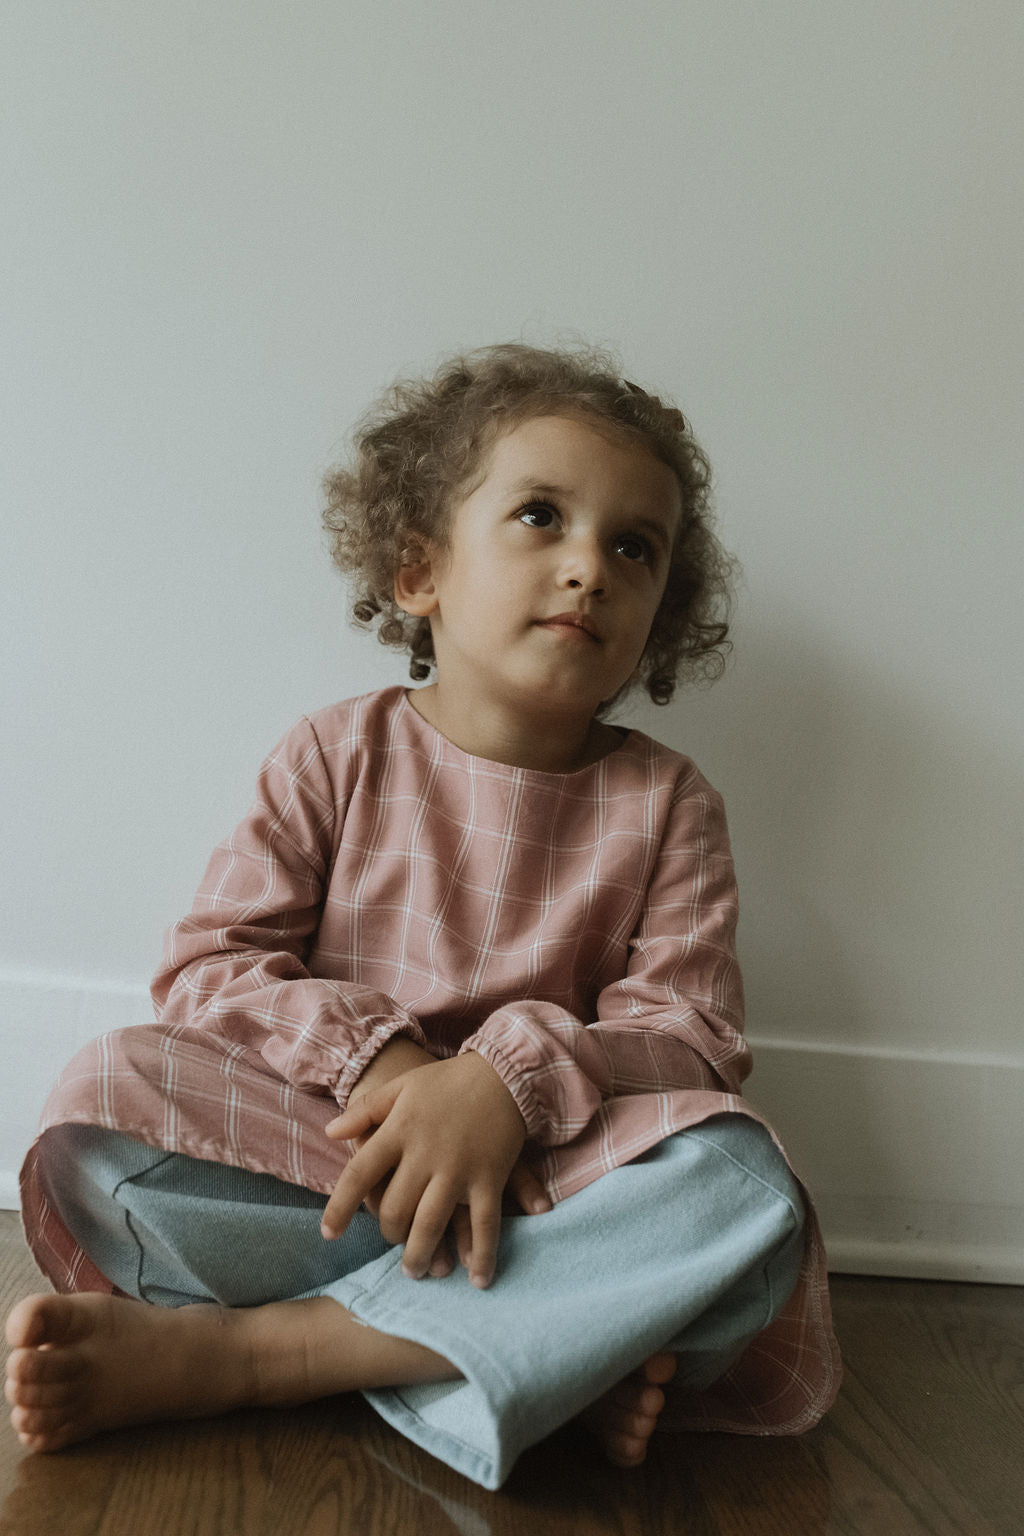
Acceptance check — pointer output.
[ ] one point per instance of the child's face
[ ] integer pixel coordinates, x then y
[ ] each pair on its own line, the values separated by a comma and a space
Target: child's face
572, 522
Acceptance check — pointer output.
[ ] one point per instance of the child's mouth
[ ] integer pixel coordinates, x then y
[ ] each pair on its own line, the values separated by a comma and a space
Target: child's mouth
572, 625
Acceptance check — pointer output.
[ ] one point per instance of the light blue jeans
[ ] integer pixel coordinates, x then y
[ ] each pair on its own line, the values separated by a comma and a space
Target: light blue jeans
693, 1247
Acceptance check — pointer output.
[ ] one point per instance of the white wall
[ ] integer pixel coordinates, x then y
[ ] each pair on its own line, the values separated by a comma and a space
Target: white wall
228, 226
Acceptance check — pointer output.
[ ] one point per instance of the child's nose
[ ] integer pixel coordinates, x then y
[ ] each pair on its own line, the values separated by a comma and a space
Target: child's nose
585, 570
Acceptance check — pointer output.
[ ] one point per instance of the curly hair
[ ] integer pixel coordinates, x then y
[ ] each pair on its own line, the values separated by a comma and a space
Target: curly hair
418, 449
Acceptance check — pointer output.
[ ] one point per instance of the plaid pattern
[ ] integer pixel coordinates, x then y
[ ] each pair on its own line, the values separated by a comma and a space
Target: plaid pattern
575, 930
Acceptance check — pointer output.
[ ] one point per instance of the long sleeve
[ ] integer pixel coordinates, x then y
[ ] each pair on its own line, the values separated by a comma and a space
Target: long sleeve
236, 966
673, 1021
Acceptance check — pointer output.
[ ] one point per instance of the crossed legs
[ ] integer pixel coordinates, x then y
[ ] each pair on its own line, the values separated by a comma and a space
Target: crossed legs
82, 1364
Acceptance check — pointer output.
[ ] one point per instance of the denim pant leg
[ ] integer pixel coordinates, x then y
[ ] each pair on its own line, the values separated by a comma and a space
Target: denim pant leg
172, 1229
693, 1247
711, 1343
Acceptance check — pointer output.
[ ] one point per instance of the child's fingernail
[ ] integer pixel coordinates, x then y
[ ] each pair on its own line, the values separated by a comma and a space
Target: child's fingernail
480, 1281
327, 1231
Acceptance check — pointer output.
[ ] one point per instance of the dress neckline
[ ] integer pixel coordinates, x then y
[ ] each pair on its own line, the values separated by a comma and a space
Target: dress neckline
495, 764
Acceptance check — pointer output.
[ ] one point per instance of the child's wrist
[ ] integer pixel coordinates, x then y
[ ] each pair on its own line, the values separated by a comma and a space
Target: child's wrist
399, 1055
489, 1074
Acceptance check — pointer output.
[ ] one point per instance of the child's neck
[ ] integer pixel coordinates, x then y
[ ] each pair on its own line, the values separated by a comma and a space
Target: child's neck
504, 736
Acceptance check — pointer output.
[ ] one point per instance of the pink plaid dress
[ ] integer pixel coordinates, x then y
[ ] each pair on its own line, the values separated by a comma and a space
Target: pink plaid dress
577, 930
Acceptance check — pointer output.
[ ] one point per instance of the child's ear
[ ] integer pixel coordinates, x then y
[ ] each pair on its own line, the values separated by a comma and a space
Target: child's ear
415, 591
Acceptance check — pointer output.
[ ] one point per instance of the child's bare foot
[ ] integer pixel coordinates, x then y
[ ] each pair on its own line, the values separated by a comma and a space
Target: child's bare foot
85, 1363
80, 1364
624, 1418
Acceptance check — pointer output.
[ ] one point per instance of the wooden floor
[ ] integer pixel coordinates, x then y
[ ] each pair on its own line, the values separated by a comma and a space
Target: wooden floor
927, 1436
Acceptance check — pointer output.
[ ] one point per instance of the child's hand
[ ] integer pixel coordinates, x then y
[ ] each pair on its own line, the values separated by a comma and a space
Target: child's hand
450, 1135
402, 1055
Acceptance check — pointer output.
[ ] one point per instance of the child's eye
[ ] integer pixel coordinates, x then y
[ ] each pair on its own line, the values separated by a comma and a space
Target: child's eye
537, 514
635, 547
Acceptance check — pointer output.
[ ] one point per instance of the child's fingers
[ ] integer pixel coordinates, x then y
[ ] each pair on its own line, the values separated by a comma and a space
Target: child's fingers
428, 1228
373, 1198
528, 1191
359, 1178
338, 1212
400, 1202
442, 1263
355, 1122
485, 1219
462, 1232
369, 1110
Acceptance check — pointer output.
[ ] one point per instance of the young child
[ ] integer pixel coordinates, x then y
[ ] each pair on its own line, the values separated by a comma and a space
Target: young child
443, 1104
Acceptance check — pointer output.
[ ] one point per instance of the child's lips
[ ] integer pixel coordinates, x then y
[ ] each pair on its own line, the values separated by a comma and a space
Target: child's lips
572, 623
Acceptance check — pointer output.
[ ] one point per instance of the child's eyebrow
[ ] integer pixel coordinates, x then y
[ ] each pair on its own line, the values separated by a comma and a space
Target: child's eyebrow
536, 488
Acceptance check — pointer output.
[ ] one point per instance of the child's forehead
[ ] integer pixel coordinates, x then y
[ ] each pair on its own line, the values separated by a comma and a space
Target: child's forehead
560, 433
553, 441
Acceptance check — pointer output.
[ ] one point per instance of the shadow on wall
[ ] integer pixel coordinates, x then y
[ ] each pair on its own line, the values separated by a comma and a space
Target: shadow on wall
877, 843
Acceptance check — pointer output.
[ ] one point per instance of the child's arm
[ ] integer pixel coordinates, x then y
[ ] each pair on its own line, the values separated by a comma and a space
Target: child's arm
671, 1021
449, 1134
236, 965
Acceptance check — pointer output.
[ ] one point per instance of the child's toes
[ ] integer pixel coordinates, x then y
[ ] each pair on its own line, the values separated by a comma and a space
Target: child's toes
650, 1401
25, 1325
52, 1440
38, 1422
37, 1366
625, 1450
659, 1368
634, 1425
632, 1397
30, 1394
36, 1320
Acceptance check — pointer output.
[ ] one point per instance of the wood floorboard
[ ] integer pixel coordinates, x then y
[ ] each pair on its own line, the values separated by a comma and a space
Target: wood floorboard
927, 1437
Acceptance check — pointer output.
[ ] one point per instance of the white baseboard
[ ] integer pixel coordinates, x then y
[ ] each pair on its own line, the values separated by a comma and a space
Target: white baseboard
44, 1020
914, 1158
9, 1192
